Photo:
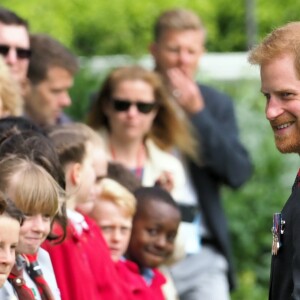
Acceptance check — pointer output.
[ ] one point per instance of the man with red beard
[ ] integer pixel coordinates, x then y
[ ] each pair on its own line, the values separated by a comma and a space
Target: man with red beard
278, 57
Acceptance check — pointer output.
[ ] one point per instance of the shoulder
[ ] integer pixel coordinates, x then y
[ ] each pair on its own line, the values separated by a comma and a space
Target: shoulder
158, 275
64, 119
43, 254
47, 268
212, 95
7, 292
163, 157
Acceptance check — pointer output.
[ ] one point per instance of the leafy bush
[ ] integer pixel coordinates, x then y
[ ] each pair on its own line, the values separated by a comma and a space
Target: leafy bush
125, 26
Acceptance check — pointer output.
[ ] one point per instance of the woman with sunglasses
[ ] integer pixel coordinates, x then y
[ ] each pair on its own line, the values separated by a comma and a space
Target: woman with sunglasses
141, 127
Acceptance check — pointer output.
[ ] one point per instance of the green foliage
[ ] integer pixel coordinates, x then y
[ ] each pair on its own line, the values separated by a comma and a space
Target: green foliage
85, 85
125, 26
99, 27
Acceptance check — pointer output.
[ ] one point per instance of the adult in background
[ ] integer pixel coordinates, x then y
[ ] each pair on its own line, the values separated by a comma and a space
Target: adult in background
50, 76
15, 44
140, 127
11, 103
278, 57
179, 38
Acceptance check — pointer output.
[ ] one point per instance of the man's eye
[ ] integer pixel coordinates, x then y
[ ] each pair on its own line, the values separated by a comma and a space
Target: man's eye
267, 96
286, 94
173, 49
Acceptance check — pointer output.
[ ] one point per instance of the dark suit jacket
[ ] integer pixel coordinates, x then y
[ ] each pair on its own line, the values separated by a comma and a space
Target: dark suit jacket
226, 161
285, 267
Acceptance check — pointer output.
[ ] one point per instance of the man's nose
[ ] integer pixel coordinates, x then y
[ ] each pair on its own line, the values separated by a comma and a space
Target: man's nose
273, 108
184, 57
65, 99
11, 57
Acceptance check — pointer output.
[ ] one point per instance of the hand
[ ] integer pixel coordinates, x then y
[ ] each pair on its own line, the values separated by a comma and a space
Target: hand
165, 181
185, 91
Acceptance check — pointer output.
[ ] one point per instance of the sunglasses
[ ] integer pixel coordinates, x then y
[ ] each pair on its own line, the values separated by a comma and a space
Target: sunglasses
124, 105
22, 53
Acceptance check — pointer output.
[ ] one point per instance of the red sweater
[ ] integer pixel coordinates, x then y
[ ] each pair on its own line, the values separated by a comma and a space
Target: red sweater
82, 263
129, 272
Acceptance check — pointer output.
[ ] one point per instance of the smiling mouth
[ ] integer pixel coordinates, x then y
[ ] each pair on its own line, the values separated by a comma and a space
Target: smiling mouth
285, 125
114, 249
156, 254
282, 126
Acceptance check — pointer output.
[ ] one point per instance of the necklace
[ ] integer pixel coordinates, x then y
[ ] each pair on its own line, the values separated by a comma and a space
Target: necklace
138, 170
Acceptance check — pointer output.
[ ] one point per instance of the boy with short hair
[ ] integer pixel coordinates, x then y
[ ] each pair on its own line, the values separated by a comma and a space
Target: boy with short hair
154, 229
82, 263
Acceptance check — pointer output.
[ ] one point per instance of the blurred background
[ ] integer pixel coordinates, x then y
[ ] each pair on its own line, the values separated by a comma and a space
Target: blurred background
105, 34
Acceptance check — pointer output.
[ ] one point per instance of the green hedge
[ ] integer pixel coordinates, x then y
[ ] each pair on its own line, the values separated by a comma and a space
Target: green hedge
125, 26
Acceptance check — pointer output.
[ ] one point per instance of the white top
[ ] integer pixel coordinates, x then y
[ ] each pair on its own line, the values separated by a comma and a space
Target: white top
7, 292
157, 162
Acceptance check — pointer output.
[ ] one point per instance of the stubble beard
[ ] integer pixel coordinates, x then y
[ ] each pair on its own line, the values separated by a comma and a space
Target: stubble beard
288, 144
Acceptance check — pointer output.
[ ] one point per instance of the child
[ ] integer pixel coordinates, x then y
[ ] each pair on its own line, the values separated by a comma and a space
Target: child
82, 262
10, 221
36, 194
154, 229
113, 211
123, 175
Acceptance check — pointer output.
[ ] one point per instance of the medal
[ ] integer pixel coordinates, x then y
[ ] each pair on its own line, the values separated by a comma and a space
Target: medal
277, 231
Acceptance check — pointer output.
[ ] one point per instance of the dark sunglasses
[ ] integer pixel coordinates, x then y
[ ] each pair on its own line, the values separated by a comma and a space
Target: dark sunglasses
22, 53
124, 105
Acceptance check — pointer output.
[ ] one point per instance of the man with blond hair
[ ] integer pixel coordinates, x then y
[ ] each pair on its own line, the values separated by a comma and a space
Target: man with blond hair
278, 57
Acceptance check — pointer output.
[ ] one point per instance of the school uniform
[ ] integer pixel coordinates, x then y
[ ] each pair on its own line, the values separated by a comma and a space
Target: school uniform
128, 271
146, 285
82, 263
7, 292
154, 279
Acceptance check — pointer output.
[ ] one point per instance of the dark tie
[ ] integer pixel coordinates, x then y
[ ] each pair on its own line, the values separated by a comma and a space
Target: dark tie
17, 281
35, 272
